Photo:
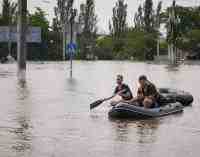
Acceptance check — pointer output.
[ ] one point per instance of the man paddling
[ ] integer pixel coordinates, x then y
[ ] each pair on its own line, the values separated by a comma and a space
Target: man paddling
122, 90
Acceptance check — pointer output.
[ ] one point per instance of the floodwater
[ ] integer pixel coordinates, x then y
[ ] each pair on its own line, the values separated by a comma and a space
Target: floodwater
49, 116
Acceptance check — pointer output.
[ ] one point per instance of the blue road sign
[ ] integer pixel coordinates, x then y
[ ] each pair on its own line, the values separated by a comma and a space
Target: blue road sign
71, 48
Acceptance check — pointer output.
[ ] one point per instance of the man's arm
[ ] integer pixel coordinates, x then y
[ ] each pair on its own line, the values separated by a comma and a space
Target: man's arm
126, 92
135, 99
116, 90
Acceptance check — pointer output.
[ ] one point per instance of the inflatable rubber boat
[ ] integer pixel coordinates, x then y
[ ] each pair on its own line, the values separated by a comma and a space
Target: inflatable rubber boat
124, 110
173, 101
173, 95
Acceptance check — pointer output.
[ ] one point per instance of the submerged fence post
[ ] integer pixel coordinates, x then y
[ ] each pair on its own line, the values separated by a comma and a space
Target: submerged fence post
21, 40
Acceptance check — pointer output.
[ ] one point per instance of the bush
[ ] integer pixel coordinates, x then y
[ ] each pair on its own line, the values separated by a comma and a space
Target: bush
140, 45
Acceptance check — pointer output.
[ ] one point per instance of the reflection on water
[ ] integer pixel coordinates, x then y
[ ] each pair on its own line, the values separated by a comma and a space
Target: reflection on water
47, 115
173, 68
22, 132
122, 131
146, 130
23, 137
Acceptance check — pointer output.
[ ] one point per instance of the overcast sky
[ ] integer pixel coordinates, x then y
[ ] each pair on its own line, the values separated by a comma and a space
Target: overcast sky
104, 8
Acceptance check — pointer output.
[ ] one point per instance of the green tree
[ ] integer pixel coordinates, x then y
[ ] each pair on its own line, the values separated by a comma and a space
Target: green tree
158, 15
140, 44
38, 18
9, 10
62, 11
56, 23
174, 26
5, 12
148, 16
88, 20
139, 19
105, 48
8, 18
191, 41
118, 25
181, 22
157, 25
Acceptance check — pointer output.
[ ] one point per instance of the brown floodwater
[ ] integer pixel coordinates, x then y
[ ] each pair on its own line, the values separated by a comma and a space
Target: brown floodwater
49, 116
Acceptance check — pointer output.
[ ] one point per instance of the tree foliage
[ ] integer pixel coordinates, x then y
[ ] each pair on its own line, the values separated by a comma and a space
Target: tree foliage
88, 20
118, 25
9, 10
63, 10
123, 42
139, 19
158, 15
39, 19
140, 44
148, 16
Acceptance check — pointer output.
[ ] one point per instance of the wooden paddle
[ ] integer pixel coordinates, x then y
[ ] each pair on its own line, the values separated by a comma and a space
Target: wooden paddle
99, 102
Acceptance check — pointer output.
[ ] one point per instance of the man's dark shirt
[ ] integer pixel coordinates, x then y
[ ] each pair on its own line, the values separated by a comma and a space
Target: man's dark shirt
149, 90
127, 94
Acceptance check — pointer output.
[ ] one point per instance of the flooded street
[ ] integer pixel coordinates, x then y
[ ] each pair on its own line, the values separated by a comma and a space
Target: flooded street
49, 115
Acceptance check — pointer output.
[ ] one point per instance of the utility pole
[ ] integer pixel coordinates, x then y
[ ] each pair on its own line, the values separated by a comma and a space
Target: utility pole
21, 41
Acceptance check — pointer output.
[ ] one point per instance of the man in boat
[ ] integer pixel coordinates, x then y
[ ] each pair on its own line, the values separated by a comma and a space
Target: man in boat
122, 90
147, 94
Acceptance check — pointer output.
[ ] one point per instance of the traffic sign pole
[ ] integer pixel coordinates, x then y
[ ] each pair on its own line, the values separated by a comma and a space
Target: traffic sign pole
71, 65
71, 47
71, 41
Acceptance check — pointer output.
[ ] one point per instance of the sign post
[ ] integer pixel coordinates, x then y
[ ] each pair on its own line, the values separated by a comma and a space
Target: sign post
72, 46
71, 41
71, 50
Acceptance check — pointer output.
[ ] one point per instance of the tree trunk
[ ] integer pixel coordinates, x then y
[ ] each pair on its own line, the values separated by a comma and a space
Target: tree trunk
64, 40
158, 47
9, 41
22, 27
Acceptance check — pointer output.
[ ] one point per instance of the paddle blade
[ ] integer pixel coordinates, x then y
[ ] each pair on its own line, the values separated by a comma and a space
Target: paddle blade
96, 103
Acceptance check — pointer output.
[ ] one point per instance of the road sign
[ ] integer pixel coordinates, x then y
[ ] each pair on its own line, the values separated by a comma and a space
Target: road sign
71, 48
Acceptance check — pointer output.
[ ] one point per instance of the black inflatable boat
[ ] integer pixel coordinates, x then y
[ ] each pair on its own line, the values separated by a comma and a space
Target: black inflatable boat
173, 95
173, 102
124, 110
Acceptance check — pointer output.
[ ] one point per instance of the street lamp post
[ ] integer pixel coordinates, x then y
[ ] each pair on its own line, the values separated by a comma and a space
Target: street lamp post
21, 41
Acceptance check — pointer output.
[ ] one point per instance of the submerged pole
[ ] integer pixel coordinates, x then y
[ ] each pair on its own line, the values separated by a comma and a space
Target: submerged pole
71, 53
21, 41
